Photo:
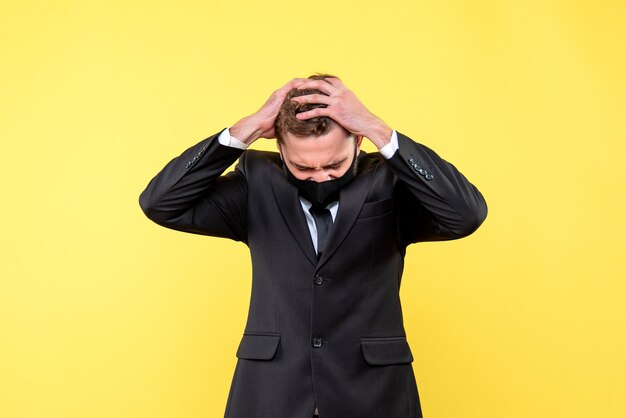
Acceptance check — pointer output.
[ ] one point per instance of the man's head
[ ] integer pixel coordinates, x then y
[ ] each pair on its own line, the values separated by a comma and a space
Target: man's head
317, 149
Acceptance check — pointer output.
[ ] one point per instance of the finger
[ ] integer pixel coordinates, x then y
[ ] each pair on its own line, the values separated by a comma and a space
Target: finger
319, 111
279, 95
334, 81
313, 98
320, 85
296, 82
292, 84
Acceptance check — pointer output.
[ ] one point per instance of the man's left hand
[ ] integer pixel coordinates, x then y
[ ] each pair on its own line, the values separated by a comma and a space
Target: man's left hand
345, 108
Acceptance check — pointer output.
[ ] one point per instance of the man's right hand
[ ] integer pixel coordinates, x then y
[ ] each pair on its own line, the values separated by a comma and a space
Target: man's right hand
261, 124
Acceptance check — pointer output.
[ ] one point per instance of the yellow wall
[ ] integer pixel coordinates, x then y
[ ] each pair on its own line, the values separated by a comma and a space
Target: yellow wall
106, 314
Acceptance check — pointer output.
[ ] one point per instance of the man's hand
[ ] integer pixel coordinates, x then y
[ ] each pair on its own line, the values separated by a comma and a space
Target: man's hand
344, 108
261, 123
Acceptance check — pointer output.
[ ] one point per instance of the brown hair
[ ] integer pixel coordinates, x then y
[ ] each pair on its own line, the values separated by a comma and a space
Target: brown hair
286, 121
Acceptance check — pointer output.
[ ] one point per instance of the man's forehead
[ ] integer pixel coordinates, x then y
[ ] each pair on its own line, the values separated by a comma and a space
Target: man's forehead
337, 137
317, 162
318, 158
318, 150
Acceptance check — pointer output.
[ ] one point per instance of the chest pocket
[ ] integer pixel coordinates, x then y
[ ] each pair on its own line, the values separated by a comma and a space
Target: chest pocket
378, 208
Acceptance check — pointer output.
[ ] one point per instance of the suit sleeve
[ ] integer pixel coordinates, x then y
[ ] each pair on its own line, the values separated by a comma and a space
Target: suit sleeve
191, 193
435, 201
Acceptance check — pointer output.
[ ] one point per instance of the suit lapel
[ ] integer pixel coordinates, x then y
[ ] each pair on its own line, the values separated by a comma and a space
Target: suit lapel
351, 199
290, 208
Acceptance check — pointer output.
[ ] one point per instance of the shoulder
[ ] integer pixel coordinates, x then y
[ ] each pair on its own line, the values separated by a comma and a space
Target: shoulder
369, 163
254, 160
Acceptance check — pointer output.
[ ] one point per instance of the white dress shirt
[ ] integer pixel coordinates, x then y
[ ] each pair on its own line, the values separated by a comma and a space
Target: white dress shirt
225, 138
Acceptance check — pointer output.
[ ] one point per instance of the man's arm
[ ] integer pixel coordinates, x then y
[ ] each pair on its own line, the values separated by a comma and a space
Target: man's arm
436, 202
190, 193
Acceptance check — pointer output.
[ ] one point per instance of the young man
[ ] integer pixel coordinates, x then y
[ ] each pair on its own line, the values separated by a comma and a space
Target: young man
327, 226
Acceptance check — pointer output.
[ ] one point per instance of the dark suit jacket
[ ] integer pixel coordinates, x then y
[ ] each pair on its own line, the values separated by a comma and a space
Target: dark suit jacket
327, 332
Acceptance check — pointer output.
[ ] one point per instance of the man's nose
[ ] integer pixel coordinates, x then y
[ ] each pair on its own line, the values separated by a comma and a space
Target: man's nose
321, 175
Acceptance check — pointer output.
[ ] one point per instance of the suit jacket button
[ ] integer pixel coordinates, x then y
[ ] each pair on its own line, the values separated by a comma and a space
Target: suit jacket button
429, 176
317, 342
318, 279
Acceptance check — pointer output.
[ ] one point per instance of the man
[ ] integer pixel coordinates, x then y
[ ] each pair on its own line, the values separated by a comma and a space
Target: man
327, 226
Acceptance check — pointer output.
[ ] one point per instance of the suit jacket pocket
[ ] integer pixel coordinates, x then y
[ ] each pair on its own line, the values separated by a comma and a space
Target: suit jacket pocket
371, 209
258, 346
380, 351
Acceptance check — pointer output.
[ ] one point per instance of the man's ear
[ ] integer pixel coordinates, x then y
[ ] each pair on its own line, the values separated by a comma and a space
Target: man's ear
359, 139
280, 151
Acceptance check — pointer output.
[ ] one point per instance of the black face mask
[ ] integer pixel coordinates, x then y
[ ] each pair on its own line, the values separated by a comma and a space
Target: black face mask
322, 193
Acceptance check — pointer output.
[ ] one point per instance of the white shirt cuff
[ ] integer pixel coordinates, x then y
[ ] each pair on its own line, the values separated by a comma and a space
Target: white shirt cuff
388, 150
230, 141
226, 139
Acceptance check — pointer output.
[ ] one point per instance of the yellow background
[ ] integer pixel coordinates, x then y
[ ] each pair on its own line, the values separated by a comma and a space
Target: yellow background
106, 314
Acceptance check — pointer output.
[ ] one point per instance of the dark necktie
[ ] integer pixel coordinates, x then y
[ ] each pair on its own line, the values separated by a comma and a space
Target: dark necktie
323, 223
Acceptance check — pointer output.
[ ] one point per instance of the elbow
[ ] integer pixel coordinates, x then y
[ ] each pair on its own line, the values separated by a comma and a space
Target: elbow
158, 212
473, 219
466, 221
144, 203
148, 206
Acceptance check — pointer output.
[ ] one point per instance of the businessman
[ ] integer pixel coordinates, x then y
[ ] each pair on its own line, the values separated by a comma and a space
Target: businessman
327, 226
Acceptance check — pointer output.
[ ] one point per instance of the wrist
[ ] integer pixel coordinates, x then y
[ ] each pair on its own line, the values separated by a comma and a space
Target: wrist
246, 131
380, 134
